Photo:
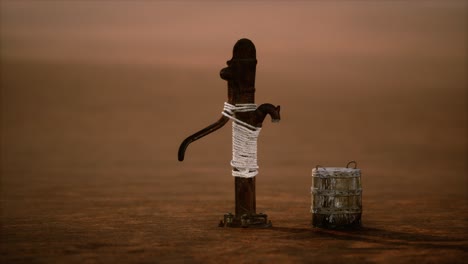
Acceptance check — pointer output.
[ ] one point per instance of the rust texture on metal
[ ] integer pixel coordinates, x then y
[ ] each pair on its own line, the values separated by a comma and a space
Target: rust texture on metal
336, 197
240, 77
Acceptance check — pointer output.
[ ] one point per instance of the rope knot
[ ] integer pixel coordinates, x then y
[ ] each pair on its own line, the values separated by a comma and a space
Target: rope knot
244, 141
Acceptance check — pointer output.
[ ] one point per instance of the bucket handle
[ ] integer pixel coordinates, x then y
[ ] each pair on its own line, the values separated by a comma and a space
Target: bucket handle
347, 165
351, 162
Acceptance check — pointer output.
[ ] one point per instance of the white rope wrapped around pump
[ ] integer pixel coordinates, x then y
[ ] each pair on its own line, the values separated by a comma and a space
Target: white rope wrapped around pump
244, 142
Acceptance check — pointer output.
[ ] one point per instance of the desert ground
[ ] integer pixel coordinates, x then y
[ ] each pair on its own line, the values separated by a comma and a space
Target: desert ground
89, 169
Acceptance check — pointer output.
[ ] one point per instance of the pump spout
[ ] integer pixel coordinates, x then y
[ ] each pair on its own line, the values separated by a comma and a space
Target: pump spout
266, 109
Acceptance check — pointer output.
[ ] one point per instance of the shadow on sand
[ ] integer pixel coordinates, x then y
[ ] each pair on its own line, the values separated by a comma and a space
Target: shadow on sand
379, 236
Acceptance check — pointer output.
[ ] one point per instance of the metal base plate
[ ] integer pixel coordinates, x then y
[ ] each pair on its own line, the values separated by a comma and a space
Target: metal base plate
253, 221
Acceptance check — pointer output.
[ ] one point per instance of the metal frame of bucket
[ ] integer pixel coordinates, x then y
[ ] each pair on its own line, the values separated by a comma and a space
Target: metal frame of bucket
336, 197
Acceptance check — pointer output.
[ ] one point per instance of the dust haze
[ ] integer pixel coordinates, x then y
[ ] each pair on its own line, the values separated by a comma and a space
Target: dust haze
98, 95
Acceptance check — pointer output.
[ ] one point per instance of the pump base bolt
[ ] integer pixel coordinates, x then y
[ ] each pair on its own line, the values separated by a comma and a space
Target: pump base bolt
246, 220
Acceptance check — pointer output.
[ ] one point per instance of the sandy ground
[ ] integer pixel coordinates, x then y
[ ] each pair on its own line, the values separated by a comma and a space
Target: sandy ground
97, 96
90, 174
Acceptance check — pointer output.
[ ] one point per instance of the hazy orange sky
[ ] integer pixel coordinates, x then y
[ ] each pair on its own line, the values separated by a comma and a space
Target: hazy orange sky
203, 32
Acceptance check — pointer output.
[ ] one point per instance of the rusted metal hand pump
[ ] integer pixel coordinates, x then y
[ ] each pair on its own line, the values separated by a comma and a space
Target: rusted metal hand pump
240, 75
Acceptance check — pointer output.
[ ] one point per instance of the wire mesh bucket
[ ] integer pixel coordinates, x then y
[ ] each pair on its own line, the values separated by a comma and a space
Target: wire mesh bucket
336, 196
